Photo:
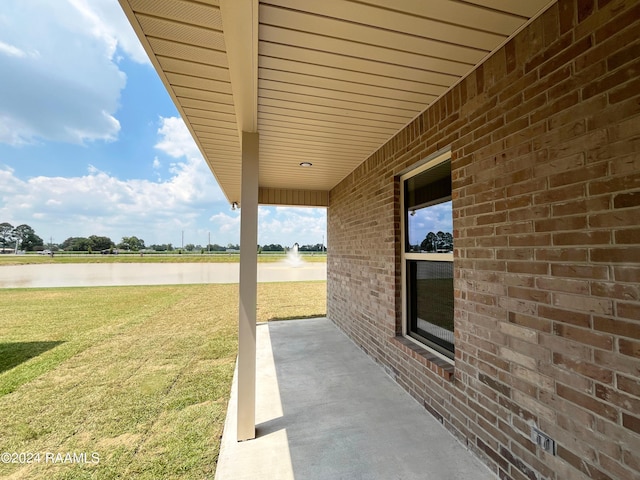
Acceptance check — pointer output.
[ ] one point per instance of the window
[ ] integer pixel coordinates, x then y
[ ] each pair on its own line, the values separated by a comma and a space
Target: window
427, 256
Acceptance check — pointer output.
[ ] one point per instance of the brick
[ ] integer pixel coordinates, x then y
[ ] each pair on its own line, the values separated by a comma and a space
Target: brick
628, 310
626, 273
614, 184
561, 224
578, 255
583, 205
616, 290
560, 194
528, 267
616, 254
530, 321
582, 303
584, 336
516, 214
530, 240
575, 461
558, 105
586, 369
579, 175
624, 130
624, 92
626, 200
617, 327
548, 81
618, 23
580, 111
629, 347
563, 285
529, 294
615, 468
613, 80
629, 366
580, 271
593, 237
620, 399
565, 316
627, 236
629, 385
589, 403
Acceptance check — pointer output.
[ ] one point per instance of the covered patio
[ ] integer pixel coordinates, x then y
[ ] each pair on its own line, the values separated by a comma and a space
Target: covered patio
327, 411
285, 98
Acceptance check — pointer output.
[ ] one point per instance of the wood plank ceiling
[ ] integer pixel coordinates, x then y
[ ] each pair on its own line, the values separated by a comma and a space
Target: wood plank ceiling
336, 78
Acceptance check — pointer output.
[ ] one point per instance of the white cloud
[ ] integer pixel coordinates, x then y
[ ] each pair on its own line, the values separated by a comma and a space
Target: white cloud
105, 20
60, 79
11, 51
176, 139
101, 204
227, 224
289, 225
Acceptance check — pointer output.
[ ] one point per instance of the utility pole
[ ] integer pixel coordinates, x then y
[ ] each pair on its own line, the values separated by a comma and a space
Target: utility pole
182, 240
209, 244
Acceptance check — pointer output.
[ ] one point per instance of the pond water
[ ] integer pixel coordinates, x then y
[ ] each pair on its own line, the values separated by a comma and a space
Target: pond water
112, 274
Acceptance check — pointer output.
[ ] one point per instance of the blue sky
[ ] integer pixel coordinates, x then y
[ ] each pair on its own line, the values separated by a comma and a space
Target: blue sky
434, 218
91, 143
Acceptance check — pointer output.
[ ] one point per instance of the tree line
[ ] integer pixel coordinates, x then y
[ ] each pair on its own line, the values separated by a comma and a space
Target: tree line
24, 238
437, 242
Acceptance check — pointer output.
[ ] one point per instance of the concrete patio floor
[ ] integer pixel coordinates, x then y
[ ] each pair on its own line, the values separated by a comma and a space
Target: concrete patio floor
326, 411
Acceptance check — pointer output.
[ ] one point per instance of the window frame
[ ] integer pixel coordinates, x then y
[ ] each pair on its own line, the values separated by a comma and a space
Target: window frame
426, 164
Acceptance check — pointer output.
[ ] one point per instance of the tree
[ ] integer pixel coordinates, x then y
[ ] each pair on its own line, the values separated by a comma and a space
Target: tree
311, 248
161, 248
448, 238
429, 243
100, 243
6, 235
273, 248
189, 247
76, 244
27, 238
131, 243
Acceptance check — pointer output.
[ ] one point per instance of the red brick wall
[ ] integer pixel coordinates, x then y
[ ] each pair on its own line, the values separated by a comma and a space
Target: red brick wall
545, 141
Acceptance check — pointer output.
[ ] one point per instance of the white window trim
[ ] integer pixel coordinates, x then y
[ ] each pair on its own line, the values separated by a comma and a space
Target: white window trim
426, 164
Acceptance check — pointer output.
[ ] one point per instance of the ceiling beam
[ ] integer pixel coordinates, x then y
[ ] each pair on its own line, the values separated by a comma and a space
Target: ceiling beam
240, 25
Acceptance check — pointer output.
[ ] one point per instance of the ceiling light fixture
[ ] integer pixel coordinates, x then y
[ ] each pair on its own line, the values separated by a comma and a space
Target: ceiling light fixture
306, 164
234, 206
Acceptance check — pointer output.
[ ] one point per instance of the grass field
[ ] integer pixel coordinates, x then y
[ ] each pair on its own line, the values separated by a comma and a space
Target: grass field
135, 377
147, 258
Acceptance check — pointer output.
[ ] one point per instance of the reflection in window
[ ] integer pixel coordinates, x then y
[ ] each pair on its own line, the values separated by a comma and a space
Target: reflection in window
430, 229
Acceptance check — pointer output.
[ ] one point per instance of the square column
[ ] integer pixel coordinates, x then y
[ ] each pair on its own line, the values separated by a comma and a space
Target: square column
248, 288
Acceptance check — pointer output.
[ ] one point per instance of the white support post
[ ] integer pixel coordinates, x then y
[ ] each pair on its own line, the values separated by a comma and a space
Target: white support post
248, 288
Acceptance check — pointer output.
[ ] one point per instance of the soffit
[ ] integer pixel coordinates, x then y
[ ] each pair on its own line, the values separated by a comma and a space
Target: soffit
336, 78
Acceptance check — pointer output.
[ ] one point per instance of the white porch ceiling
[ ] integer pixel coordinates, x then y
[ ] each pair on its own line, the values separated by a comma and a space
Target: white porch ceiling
335, 78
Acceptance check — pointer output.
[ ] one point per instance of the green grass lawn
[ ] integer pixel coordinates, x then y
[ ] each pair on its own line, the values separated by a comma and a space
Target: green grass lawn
137, 376
148, 258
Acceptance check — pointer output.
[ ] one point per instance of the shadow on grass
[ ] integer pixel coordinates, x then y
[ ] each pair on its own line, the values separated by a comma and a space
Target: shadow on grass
296, 317
13, 354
